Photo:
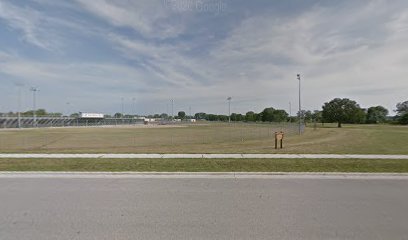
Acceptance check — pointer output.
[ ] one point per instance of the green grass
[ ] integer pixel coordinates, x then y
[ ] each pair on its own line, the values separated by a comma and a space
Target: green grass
208, 138
207, 165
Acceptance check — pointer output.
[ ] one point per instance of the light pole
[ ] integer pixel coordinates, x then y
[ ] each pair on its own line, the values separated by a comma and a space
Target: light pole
122, 107
134, 106
290, 112
172, 109
68, 108
34, 90
300, 108
229, 108
19, 107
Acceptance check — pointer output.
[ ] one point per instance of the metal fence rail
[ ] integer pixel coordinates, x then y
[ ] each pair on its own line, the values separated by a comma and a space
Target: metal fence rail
29, 122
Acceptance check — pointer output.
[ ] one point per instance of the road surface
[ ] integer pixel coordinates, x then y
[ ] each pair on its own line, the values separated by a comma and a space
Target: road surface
203, 208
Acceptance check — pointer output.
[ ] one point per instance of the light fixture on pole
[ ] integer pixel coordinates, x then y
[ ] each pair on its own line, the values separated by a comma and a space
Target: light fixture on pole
34, 90
229, 108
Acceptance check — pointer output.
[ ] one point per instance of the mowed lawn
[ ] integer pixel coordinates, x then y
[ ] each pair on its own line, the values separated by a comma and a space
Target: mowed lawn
208, 138
207, 165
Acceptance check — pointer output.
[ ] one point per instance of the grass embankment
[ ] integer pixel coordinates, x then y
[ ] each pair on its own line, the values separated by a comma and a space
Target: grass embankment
207, 165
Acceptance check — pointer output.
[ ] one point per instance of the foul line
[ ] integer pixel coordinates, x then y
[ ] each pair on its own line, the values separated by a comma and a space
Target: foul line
209, 156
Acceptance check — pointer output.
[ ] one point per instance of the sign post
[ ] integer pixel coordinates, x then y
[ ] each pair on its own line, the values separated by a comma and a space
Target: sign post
279, 138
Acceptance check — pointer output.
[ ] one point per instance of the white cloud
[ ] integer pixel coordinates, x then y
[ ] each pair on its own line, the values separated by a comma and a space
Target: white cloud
26, 20
335, 50
151, 18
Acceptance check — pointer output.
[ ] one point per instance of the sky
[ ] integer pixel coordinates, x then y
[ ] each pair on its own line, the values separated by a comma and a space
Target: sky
89, 56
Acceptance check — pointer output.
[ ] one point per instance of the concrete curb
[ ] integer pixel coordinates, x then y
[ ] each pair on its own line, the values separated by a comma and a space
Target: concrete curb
207, 156
226, 175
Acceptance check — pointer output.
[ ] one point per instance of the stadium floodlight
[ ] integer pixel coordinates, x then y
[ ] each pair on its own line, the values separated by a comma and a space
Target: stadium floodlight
34, 90
300, 107
229, 108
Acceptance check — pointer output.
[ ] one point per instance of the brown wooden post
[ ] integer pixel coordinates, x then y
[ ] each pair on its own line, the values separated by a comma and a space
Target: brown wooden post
276, 140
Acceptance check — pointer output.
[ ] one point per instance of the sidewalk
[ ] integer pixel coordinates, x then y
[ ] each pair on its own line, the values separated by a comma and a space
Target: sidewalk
209, 156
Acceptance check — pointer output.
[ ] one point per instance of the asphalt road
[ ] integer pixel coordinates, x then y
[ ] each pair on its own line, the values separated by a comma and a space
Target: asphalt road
193, 208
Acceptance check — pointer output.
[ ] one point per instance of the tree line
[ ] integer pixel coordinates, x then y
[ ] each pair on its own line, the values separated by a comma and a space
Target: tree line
338, 110
39, 113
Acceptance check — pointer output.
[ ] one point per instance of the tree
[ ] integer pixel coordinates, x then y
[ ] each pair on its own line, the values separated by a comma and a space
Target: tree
164, 116
317, 116
181, 114
236, 117
212, 117
280, 115
250, 116
376, 114
403, 119
267, 114
274, 115
402, 108
306, 115
223, 118
343, 111
200, 115
118, 115
41, 112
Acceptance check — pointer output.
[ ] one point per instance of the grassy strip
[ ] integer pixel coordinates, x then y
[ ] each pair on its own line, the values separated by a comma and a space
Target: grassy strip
207, 165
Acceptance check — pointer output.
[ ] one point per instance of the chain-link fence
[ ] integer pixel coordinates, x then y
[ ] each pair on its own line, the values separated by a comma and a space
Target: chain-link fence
134, 137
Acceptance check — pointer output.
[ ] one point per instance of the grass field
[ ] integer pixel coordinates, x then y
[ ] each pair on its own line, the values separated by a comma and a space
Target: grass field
207, 165
209, 138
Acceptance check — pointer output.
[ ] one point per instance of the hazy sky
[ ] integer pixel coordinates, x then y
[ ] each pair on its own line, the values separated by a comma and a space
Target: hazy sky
91, 53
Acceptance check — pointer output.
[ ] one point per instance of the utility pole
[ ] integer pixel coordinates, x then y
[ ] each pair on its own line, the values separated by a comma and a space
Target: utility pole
300, 108
229, 109
34, 90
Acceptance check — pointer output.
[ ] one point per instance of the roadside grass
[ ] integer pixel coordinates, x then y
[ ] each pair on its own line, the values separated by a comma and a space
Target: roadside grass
208, 138
207, 165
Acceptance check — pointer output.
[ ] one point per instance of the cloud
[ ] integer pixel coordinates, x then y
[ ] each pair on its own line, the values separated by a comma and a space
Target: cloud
348, 49
148, 17
28, 21
42, 29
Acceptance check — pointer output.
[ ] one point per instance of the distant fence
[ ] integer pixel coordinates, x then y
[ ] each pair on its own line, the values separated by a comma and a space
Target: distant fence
29, 122
211, 137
